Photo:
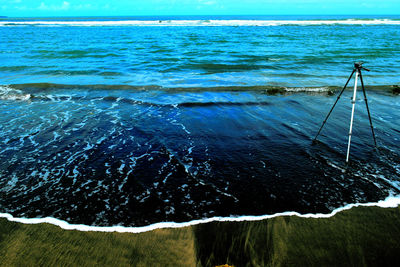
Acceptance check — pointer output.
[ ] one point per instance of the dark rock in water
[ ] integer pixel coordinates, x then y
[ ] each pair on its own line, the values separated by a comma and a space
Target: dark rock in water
396, 89
331, 92
273, 91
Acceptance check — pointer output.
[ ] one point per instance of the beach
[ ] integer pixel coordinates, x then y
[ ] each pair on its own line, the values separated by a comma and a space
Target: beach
360, 236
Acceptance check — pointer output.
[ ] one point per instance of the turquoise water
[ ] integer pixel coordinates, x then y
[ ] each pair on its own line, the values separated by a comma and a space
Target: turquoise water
136, 120
104, 52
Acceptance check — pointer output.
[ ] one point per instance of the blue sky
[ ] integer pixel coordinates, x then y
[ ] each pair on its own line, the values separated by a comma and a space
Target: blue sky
33, 8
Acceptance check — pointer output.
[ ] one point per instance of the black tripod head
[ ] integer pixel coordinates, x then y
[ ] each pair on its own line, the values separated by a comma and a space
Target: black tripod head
358, 66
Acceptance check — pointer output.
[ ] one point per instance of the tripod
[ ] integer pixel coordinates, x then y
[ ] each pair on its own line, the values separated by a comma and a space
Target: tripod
357, 69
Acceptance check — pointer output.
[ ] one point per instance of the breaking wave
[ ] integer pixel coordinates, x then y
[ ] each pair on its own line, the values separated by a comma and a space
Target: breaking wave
199, 23
389, 202
9, 93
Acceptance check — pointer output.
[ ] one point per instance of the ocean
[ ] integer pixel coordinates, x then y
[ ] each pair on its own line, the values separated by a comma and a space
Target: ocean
137, 120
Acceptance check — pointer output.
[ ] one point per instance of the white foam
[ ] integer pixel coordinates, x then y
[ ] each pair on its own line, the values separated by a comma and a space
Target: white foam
307, 89
389, 202
8, 93
202, 22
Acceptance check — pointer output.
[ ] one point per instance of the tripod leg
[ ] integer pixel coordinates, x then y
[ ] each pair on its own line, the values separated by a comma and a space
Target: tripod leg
366, 104
353, 101
351, 75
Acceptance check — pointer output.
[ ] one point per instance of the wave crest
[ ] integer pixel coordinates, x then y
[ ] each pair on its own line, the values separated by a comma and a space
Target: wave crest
203, 22
8, 93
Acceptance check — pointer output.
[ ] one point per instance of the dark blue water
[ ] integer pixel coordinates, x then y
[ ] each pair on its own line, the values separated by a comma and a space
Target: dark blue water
139, 120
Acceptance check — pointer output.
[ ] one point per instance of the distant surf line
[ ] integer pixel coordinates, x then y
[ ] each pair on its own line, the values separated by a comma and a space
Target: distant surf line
197, 23
389, 202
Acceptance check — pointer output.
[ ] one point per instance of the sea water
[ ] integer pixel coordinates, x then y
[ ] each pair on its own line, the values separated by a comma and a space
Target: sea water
138, 120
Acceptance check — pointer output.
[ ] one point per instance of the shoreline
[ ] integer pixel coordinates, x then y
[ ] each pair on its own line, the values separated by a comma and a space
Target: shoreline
363, 235
389, 202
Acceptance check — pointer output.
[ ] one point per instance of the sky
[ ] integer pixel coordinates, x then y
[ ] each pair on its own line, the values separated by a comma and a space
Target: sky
40, 8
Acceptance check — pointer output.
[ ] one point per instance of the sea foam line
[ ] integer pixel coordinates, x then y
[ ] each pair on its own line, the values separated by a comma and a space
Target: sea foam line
389, 202
203, 22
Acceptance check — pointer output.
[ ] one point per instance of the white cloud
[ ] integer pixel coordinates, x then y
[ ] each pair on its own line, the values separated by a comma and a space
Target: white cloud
207, 2
43, 6
82, 6
22, 8
71, 7
64, 6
